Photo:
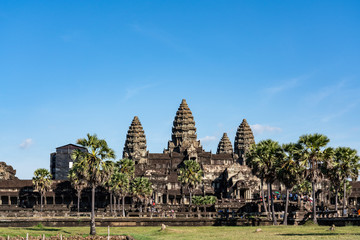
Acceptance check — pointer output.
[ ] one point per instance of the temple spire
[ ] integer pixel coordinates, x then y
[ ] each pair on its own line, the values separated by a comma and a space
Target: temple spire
243, 140
224, 145
135, 144
183, 130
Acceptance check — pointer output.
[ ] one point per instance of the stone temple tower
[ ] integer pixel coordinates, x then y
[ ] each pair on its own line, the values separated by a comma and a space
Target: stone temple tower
135, 144
224, 145
243, 140
184, 131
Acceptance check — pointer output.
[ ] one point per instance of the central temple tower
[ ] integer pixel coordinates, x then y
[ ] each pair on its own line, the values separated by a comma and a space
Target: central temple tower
243, 140
183, 131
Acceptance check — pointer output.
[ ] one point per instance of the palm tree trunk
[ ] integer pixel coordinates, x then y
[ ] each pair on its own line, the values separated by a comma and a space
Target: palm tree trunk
272, 207
111, 208
41, 202
119, 205
344, 199
336, 201
314, 202
114, 207
263, 198
269, 197
286, 207
92, 221
190, 198
78, 200
123, 205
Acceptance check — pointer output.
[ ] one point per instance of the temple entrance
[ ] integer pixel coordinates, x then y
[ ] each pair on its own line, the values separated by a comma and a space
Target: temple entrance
242, 194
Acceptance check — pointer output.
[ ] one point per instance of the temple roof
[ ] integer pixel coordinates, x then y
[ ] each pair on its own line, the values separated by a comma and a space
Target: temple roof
224, 145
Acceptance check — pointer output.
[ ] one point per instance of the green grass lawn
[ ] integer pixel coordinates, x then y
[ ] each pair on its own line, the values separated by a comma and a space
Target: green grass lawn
208, 233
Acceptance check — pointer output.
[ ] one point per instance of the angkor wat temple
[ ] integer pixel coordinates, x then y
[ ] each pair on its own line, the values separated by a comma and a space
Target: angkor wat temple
225, 173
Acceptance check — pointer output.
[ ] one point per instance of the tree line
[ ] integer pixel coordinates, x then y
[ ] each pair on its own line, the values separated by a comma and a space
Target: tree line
309, 160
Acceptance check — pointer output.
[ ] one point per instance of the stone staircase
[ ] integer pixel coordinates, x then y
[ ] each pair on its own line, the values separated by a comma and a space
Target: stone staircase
302, 217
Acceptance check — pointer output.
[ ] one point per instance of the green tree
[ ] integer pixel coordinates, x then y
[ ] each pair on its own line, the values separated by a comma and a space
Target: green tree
120, 183
264, 157
141, 188
42, 183
203, 201
92, 161
348, 165
198, 201
76, 180
126, 166
289, 172
190, 176
258, 170
313, 155
126, 169
303, 187
109, 169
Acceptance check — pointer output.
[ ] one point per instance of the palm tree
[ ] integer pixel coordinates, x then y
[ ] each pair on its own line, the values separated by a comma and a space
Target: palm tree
348, 166
141, 188
257, 170
120, 183
108, 171
289, 172
190, 175
331, 170
302, 188
42, 183
92, 161
265, 157
126, 166
313, 154
78, 183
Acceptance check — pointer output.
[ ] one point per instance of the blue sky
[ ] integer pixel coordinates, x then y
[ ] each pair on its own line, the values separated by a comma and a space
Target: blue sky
68, 68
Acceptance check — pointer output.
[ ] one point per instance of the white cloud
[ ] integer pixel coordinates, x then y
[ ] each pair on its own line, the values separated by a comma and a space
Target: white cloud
339, 113
207, 139
327, 92
291, 83
131, 92
159, 35
26, 143
259, 129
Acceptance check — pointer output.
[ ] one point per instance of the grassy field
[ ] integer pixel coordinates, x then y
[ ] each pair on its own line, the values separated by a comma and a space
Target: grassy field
208, 233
